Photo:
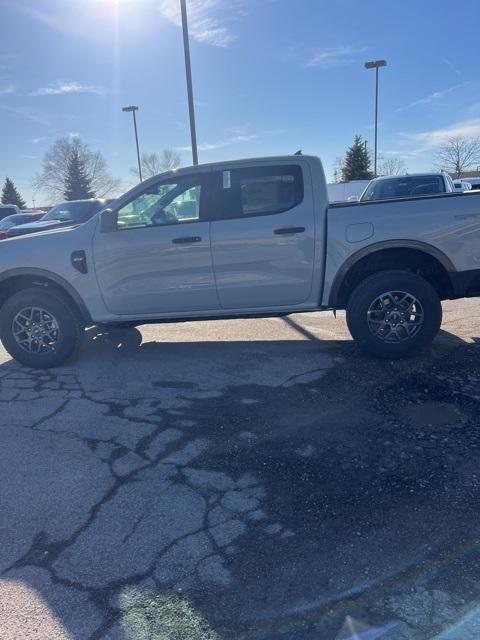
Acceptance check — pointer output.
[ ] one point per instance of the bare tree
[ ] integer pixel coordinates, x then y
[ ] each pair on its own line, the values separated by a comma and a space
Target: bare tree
153, 163
337, 169
52, 178
458, 154
391, 166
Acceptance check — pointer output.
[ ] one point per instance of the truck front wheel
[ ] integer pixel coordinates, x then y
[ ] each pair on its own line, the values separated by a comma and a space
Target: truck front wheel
39, 328
392, 314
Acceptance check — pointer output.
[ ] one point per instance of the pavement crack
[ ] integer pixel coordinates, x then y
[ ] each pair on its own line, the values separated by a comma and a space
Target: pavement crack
300, 375
133, 529
50, 415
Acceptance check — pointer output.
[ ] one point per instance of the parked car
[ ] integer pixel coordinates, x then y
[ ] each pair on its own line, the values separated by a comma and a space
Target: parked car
8, 210
462, 185
16, 219
64, 214
408, 186
242, 239
474, 182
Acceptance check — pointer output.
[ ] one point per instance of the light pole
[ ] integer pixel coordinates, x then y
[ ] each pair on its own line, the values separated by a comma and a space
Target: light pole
188, 72
132, 108
375, 64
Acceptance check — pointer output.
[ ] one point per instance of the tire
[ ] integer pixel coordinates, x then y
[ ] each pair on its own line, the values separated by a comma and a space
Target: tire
28, 313
393, 314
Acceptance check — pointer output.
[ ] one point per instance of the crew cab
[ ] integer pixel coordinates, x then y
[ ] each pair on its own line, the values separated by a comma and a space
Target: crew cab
249, 238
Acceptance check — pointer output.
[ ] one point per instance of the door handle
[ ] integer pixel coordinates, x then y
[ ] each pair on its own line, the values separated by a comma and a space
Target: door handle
186, 239
287, 230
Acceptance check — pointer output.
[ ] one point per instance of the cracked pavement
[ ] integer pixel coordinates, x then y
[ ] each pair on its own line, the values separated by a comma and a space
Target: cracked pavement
240, 480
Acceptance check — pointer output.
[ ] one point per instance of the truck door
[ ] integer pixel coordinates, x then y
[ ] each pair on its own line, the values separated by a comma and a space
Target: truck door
263, 235
158, 259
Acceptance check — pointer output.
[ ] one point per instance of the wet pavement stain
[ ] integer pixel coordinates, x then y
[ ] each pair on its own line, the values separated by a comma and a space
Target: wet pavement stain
430, 414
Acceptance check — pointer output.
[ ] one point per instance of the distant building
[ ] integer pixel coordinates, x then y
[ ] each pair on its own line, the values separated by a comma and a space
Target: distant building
342, 191
466, 174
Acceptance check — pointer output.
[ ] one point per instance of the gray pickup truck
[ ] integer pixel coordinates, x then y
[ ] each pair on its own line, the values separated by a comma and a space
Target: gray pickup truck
249, 238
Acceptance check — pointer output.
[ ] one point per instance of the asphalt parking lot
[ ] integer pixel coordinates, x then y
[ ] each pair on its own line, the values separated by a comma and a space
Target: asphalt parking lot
243, 480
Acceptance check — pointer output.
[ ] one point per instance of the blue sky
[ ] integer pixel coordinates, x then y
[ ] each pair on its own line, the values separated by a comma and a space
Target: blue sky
270, 77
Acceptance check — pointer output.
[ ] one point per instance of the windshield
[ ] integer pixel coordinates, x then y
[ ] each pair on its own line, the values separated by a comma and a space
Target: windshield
71, 211
404, 187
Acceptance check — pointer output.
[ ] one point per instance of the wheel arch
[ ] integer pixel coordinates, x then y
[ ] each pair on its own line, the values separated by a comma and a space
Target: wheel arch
15, 280
409, 255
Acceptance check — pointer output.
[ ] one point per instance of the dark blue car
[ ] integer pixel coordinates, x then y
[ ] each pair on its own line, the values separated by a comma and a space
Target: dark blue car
65, 214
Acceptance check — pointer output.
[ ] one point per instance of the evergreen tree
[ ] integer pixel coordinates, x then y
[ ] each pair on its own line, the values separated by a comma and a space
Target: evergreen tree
357, 164
78, 185
10, 195
51, 180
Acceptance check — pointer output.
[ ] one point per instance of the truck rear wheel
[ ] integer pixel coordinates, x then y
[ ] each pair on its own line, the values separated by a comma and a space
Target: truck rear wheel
394, 314
39, 328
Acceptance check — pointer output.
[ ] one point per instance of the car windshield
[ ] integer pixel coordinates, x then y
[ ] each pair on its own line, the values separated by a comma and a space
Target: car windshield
404, 187
70, 211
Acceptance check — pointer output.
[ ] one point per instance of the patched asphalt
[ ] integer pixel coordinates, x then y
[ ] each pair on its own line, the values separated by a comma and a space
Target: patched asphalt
240, 480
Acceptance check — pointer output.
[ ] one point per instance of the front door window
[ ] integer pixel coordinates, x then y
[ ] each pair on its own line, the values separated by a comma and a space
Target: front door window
166, 203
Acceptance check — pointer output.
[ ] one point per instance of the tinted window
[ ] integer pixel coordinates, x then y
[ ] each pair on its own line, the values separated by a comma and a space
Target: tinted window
72, 211
175, 201
259, 191
404, 187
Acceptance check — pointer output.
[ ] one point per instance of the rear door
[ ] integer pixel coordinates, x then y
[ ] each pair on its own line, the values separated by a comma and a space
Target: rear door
263, 235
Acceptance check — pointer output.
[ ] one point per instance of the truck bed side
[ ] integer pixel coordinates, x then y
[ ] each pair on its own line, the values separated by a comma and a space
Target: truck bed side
439, 234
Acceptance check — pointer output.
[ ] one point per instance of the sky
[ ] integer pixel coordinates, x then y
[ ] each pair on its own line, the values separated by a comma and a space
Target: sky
269, 76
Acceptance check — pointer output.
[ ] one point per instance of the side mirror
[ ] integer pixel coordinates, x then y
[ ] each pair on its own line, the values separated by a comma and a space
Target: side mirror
353, 198
108, 220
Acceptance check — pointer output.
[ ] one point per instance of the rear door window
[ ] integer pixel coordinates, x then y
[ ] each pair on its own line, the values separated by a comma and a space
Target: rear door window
258, 191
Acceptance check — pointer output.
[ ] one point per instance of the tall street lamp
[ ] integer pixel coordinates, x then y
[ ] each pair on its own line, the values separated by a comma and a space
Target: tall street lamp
376, 64
132, 108
188, 72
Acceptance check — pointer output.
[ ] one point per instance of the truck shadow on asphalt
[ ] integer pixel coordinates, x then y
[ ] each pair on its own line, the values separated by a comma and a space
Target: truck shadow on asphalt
225, 490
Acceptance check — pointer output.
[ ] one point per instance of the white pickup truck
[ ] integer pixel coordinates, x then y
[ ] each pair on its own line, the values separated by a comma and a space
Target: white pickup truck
242, 239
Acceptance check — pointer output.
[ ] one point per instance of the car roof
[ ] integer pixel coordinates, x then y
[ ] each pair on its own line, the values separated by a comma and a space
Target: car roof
427, 174
228, 163
16, 216
91, 200
225, 164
